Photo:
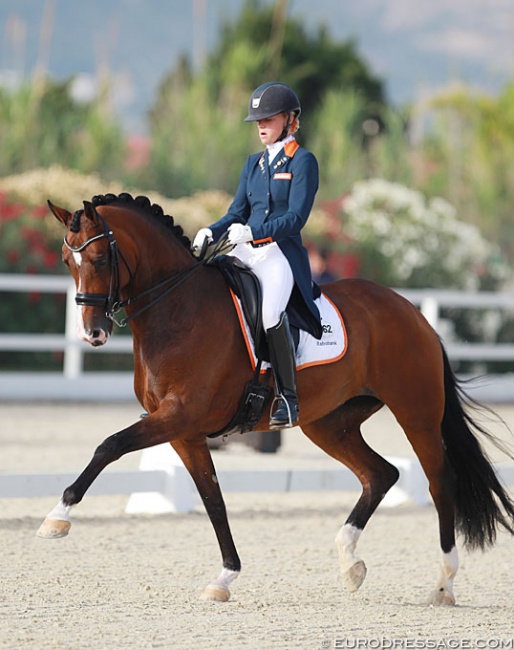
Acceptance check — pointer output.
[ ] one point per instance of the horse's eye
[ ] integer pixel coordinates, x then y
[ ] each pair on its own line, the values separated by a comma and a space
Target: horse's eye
99, 263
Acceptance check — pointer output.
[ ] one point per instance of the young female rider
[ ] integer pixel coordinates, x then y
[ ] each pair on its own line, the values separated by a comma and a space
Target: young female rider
272, 204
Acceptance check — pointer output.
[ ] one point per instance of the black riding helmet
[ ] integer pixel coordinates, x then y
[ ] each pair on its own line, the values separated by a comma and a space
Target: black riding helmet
270, 99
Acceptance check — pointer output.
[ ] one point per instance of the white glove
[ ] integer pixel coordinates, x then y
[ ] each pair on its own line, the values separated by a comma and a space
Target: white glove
201, 236
239, 234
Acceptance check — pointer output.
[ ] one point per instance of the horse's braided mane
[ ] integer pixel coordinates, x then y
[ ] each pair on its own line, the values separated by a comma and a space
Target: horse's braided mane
151, 209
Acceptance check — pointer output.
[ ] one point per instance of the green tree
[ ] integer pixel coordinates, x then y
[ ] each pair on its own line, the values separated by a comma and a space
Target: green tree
197, 139
279, 47
40, 125
467, 156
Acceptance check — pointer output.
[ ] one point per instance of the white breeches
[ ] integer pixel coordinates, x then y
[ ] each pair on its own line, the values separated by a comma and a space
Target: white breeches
272, 268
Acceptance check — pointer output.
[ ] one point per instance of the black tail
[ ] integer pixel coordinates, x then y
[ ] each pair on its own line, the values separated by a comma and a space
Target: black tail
479, 493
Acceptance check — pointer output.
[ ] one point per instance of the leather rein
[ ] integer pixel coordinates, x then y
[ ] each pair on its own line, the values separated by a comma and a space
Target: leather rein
112, 302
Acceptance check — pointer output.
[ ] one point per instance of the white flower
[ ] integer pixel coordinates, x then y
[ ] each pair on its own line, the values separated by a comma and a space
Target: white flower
419, 237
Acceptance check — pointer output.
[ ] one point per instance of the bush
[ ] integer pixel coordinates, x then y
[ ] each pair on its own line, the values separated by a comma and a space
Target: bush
403, 239
31, 240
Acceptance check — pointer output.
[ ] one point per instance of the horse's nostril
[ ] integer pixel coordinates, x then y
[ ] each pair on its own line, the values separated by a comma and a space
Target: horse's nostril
96, 334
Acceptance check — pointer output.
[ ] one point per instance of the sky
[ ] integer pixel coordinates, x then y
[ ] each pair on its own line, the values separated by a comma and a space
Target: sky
415, 46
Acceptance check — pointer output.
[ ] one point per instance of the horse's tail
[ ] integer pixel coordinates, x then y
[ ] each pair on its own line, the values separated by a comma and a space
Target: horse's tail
479, 495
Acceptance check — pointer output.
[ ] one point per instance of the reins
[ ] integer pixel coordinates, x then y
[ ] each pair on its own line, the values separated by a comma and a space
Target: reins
177, 278
112, 301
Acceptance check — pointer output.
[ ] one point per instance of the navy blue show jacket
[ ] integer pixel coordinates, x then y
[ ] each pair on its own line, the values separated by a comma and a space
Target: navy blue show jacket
275, 201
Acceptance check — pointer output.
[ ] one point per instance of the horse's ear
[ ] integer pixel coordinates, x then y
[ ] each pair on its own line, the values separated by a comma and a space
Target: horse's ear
60, 213
90, 211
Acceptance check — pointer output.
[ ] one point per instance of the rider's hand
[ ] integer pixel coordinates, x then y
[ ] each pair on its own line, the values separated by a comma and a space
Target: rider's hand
204, 234
239, 233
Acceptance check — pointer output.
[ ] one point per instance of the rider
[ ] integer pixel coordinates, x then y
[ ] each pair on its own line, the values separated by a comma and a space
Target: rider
272, 204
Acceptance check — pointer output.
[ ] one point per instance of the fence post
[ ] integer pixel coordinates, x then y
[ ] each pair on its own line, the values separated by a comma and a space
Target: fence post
73, 356
429, 307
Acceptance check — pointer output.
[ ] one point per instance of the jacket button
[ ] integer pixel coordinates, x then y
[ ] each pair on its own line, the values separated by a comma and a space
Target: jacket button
266, 211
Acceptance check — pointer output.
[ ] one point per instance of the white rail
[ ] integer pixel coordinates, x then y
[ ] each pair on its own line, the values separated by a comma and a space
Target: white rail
164, 485
67, 342
430, 302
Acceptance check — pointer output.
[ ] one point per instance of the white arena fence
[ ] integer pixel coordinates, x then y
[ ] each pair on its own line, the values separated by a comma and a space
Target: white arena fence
162, 484
76, 384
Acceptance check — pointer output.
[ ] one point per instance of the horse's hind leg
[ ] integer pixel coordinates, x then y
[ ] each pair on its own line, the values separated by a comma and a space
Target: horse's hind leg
339, 435
427, 443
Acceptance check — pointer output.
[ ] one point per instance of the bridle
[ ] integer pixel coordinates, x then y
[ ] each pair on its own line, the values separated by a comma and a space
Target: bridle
111, 302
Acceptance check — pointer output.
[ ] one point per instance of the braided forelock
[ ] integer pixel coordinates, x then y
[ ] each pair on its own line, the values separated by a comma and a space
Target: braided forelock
75, 221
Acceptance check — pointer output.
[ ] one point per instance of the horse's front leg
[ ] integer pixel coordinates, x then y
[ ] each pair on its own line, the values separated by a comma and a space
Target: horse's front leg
145, 433
197, 459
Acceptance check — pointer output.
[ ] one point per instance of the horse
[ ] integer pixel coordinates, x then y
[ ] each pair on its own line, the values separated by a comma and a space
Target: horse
191, 364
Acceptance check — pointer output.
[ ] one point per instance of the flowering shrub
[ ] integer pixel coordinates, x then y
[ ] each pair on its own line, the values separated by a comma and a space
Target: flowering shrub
27, 243
31, 240
69, 189
404, 240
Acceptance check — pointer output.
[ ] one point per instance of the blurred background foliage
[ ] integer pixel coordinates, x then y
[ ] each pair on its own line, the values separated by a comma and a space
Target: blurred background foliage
454, 151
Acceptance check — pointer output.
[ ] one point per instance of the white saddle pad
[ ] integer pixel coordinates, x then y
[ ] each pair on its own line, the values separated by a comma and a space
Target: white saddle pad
311, 352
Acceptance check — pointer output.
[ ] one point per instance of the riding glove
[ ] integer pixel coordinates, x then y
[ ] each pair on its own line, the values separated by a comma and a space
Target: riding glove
239, 234
201, 236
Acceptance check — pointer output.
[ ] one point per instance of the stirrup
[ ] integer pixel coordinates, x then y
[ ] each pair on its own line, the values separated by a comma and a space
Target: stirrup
275, 423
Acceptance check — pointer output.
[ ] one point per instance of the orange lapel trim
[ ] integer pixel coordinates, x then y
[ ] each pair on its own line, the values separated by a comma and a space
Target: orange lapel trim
290, 148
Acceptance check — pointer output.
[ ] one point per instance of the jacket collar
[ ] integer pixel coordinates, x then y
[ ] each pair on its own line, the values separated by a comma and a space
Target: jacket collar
291, 148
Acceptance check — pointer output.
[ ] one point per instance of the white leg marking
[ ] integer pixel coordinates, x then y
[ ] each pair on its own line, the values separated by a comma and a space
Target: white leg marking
60, 512
352, 567
450, 563
443, 594
346, 541
225, 578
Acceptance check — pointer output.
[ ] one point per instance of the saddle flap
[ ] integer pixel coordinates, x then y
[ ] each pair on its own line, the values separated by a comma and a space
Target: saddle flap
245, 284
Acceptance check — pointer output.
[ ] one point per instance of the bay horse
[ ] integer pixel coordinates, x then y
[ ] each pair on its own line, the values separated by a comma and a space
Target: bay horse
191, 366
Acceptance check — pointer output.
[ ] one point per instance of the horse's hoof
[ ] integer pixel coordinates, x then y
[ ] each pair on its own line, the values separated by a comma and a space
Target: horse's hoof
355, 575
441, 597
214, 592
53, 529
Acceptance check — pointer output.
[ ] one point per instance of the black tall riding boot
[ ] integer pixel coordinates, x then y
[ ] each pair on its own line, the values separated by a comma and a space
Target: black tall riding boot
281, 349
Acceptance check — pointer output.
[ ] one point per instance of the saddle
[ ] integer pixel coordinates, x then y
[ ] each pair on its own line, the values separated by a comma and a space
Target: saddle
245, 284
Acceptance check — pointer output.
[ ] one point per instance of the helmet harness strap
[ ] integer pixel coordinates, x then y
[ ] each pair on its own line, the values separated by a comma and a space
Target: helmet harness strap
285, 130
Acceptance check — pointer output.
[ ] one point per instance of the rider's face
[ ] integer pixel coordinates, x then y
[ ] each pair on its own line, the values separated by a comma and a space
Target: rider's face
271, 128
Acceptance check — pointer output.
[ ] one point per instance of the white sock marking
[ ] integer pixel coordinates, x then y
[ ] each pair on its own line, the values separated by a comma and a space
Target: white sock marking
346, 542
60, 511
225, 578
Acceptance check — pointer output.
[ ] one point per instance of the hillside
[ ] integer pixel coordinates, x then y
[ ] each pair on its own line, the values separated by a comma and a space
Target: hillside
413, 47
